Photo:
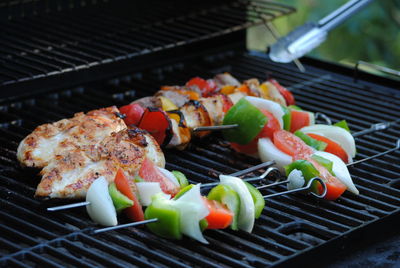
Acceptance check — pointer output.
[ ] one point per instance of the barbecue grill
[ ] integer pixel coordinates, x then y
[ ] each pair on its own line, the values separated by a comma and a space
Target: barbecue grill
62, 57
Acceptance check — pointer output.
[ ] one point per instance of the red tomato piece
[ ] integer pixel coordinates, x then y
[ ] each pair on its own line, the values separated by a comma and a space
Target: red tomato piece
134, 212
149, 172
220, 217
227, 103
270, 127
334, 187
287, 95
158, 124
292, 145
299, 119
133, 113
206, 86
332, 147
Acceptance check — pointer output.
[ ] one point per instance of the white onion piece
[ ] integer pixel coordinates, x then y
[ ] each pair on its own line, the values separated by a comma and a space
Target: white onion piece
268, 151
340, 170
336, 134
246, 211
101, 208
312, 118
168, 174
147, 190
296, 179
192, 209
268, 105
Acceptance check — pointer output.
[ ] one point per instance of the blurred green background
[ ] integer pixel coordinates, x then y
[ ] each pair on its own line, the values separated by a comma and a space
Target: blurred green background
371, 35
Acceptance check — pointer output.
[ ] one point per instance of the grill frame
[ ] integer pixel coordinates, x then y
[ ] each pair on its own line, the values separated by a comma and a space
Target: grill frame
263, 248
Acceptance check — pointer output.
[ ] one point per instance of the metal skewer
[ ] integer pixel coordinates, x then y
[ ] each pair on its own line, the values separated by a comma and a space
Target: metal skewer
124, 226
301, 189
211, 128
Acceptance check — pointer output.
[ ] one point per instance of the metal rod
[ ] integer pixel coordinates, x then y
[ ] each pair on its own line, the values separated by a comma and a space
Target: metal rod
124, 226
248, 170
375, 127
214, 128
73, 205
307, 187
377, 155
265, 174
272, 184
324, 117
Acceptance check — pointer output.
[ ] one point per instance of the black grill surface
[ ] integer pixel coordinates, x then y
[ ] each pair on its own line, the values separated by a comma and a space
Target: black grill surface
290, 227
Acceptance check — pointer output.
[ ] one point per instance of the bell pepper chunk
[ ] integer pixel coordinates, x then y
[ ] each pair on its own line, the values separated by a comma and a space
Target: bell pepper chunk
183, 181
158, 124
168, 223
219, 217
316, 144
249, 118
258, 199
133, 113
229, 197
120, 200
308, 170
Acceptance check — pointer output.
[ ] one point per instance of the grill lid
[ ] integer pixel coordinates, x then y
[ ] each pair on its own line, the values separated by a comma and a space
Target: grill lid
291, 226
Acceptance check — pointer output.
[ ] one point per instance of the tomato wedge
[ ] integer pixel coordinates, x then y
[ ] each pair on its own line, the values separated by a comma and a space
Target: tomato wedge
332, 147
133, 113
149, 172
158, 124
287, 95
219, 217
292, 145
134, 212
270, 127
334, 187
299, 119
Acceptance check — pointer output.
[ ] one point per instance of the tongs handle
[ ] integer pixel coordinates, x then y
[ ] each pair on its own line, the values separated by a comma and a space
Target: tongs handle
341, 14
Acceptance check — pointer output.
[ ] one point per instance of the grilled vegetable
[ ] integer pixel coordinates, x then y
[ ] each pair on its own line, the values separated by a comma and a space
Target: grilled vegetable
183, 181
147, 190
158, 124
310, 141
258, 199
101, 209
120, 200
250, 120
133, 113
219, 216
287, 95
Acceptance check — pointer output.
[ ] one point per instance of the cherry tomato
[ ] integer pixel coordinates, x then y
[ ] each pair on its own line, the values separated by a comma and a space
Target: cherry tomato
134, 212
133, 113
332, 147
149, 172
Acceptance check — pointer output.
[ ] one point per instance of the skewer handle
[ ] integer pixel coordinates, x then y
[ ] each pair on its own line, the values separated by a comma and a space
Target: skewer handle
377, 155
307, 187
73, 205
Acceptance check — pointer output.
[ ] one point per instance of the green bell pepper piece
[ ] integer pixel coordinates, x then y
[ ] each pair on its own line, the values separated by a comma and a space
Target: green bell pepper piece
229, 197
203, 224
183, 181
343, 124
138, 179
258, 199
168, 224
183, 191
119, 200
249, 118
308, 170
287, 118
316, 144
324, 162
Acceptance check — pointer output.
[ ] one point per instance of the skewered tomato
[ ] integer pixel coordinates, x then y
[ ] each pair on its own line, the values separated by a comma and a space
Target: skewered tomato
206, 87
331, 147
220, 217
133, 113
157, 123
291, 145
299, 119
149, 172
134, 212
287, 95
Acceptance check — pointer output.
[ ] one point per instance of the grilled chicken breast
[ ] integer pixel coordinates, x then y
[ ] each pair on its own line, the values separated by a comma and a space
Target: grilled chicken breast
71, 174
50, 140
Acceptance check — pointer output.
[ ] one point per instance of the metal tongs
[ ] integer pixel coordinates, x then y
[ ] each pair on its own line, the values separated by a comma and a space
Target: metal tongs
305, 38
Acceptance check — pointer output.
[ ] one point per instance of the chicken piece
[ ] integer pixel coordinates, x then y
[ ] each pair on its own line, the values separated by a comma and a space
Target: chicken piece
70, 175
215, 107
274, 93
226, 79
180, 134
178, 99
154, 102
235, 97
49, 140
196, 115
254, 86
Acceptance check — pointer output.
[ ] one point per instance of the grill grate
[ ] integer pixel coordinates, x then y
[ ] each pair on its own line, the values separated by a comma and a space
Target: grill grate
290, 225
39, 46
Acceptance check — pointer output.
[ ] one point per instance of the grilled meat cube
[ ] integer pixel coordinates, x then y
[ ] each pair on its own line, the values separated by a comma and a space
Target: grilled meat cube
196, 115
48, 140
226, 79
274, 93
215, 107
70, 175
177, 98
151, 101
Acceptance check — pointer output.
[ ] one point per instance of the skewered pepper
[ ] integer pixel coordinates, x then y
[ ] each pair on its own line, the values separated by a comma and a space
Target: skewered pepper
120, 200
250, 120
316, 144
